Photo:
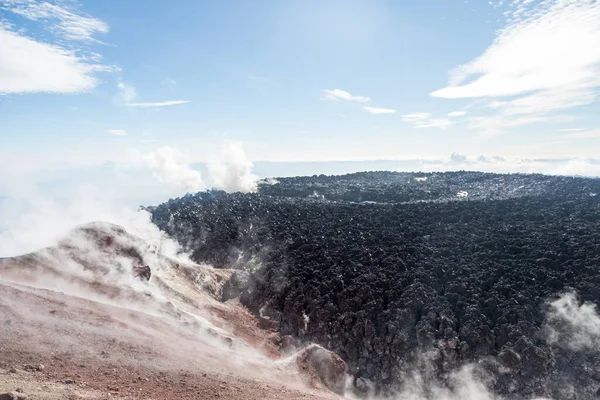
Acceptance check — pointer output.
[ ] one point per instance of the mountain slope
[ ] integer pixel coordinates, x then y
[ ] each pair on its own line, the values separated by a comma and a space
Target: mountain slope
107, 315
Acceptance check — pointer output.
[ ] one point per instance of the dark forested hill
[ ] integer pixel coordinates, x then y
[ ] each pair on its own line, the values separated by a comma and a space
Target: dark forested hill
400, 271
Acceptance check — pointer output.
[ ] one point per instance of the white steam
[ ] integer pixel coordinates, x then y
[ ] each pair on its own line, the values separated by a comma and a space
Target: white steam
573, 325
29, 221
171, 166
463, 384
31, 217
232, 171
466, 383
569, 324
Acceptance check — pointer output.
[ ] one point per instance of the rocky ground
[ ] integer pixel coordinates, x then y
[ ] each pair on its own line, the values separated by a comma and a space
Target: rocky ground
427, 274
101, 315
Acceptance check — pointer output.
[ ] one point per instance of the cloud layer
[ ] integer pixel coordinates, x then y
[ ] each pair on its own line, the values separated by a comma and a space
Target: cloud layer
338, 94
425, 120
158, 103
546, 60
584, 134
116, 132
127, 96
29, 65
378, 110
69, 24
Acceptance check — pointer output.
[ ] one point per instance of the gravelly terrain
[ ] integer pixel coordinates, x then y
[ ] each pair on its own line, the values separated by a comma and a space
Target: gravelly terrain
101, 315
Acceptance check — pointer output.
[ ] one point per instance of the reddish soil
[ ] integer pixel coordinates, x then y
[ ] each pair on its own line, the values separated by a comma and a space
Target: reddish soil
100, 335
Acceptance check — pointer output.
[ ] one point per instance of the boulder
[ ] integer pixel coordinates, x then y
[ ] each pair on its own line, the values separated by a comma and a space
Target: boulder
288, 344
143, 273
267, 323
327, 366
239, 281
13, 396
33, 368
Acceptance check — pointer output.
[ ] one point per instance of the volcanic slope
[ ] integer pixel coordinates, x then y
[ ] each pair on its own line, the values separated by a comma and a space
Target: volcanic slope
404, 273
103, 314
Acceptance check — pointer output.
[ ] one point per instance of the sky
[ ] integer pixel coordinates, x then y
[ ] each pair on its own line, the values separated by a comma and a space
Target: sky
83, 83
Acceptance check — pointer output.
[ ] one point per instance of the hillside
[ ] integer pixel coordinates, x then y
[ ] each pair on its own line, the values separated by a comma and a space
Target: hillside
103, 314
404, 273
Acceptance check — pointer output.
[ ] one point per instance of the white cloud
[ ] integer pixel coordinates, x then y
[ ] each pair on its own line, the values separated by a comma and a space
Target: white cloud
546, 101
554, 48
415, 117
457, 158
497, 164
127, 94
116, 132
159, 103
571, 130
171, 167
591, 134
577, 167
547, 58
457, 114
377, 110
338, 94
67, 23
490, 159
28, 66
441, 123
497, 124
425, 120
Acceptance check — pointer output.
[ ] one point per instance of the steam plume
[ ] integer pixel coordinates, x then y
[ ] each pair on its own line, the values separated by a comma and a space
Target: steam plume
573, 325
29, 223
232, 172
170, 166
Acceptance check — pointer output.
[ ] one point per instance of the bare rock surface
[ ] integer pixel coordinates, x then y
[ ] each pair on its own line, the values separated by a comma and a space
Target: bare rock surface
76, 323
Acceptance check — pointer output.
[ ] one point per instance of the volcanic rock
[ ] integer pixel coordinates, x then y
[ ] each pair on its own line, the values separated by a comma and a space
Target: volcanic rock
143, 273
324, 364
239, 282
386, 267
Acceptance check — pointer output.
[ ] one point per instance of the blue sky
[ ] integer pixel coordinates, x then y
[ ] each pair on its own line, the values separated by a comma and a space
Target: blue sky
297, 80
